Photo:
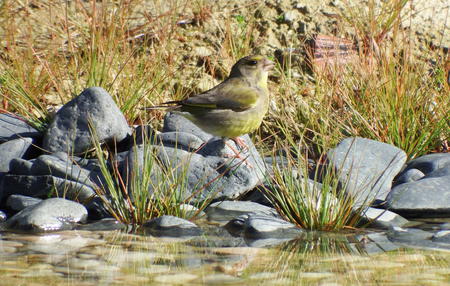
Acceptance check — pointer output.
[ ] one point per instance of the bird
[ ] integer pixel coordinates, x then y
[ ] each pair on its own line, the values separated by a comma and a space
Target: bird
234, 107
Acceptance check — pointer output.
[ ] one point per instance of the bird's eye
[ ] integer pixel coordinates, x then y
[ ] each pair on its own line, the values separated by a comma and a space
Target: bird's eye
252, 63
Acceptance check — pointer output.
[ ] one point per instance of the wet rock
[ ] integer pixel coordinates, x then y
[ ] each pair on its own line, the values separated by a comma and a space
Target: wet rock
17, 203
374, 243
227, 210
428, 196
17, 148
69, 131
44, 186
384, 219
96, 209
171, 226
257, 226
106, 224
366, 167
3, 217
49, 215
415, 238
14, 127
442, 237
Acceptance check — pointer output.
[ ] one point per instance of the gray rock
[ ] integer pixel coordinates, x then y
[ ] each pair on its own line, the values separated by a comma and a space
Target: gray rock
14, 127
106, 224
49, 215
407, 176
383, 219
415, 238
227, 210
69, 131
19, 202
174, 122
429, 163
377, 242
257, 226
44, 186
445, 226
366, 167
427, 197
60, 165
3, 218
442, 237
180, 140
171, 226
19, 166
16, 148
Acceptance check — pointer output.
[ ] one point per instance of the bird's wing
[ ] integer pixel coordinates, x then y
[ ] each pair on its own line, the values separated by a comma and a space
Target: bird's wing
231, 94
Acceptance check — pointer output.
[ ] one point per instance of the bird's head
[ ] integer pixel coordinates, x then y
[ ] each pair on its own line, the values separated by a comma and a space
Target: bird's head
253, 68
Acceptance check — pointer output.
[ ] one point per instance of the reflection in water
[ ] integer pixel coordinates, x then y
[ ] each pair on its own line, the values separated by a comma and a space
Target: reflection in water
114, 257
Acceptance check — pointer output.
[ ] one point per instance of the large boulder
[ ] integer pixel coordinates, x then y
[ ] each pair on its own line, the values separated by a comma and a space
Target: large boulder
366, 167
70, 132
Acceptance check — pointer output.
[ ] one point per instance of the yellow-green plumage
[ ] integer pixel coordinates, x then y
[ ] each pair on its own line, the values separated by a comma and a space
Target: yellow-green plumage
237, 105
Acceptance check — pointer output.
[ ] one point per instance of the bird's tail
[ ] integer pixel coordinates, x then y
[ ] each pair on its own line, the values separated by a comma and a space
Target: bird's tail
169, 105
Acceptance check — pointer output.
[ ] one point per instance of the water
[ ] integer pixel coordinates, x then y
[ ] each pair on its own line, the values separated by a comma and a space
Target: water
119, 258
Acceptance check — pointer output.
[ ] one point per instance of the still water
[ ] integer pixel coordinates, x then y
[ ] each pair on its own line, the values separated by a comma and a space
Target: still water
83, 257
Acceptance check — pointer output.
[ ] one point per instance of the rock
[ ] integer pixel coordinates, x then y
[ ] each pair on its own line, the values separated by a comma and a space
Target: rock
374, 243
226, 210
69, 131
414, 238
3, 218
180, 140
171, 226
14, 127
49, 215
60, 165
19, 202
410, 175
366, 167
427, 197
429, 163
17, 148
44, 186
174, 122
257, 226
19, 166
442, 237
383, 219
106, 224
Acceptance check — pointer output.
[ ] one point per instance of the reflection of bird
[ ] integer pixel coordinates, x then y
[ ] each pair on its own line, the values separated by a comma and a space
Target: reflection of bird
234, 107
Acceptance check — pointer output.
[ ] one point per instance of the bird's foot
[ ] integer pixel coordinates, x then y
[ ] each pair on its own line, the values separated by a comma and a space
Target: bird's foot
240, 143
238, 155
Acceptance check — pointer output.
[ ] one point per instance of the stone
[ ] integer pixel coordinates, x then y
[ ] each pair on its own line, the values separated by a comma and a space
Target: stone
429, 163
17, 203
54, 214
60, 165
227, 210
17, 148
427, 197
407, 176
44, 186
442, 237
19, 166
106, 224
366, 167
376, 242
257, 226
384, 219
3, 217
174, 122
13, 127
171, 226
70, 131
415, 238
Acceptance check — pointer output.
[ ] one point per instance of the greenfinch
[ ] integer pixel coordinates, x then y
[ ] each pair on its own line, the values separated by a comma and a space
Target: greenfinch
234, 107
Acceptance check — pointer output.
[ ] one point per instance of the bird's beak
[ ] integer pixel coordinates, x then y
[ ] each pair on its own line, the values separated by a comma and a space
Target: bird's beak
268, 65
